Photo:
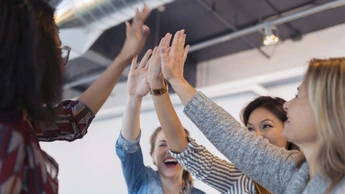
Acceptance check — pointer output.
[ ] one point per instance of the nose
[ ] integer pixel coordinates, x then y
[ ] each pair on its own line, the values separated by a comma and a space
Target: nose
258, 133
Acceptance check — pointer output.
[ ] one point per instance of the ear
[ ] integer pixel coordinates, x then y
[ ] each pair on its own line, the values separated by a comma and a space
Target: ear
153, 159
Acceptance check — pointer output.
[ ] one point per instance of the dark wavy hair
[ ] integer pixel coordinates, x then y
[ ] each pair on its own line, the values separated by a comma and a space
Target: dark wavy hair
30, 60
186, 175
275, 106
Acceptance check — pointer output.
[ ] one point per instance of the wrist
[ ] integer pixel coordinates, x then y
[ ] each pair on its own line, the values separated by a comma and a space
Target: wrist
135, 98
157, 83
122, 59
125, 56
177, 82
161, 90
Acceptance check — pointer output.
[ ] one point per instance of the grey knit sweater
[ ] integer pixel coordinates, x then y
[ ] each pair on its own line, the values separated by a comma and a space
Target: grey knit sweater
272, 167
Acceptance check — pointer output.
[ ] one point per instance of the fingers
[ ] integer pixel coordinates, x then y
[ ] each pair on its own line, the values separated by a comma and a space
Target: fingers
163, 52
128, 27
144, 60
174, 45
182, 41
146, 31
185, 53
134, 63
145, 12
155, 50
139, 19
166, 41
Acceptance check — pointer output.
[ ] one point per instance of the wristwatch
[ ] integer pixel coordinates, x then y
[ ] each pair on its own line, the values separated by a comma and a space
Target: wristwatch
157, 92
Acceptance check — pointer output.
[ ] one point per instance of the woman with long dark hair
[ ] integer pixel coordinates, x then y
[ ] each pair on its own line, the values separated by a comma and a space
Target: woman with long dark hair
31, 65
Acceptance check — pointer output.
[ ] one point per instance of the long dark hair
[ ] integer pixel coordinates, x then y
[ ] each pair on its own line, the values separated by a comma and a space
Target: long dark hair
186, 175
275, 106
30, 62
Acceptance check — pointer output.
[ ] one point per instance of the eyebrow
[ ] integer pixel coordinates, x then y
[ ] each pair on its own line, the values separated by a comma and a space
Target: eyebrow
262, 121
163, 141
266, 120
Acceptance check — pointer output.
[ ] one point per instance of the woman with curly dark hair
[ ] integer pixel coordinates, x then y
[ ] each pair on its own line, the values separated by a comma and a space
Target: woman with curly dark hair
31, 65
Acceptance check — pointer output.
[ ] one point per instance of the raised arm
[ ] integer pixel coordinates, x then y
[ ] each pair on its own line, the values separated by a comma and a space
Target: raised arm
266, 164
167, 116
206, 167
136, 35
127, 146
137, 89
75, 116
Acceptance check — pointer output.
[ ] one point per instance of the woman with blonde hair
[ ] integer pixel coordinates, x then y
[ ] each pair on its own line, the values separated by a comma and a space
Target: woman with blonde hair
315, 123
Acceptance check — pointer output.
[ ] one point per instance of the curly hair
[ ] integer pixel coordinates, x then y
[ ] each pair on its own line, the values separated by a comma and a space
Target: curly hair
30, 61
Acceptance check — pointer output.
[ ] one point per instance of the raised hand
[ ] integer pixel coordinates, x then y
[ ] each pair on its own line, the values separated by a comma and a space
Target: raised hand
154, 75
137, 77
136, 34
173, 58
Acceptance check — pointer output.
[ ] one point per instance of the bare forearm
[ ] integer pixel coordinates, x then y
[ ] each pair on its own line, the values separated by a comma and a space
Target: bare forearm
131, 118
170, 123
95, 96
184, 90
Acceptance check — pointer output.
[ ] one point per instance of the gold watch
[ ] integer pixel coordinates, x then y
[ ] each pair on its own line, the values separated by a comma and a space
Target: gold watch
157, 92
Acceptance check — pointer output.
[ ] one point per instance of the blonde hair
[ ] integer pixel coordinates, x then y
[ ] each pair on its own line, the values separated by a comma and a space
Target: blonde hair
325, 81
186, 175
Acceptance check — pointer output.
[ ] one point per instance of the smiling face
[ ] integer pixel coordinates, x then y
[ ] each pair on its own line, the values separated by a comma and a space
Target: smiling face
300, 126
167, 166
264, 123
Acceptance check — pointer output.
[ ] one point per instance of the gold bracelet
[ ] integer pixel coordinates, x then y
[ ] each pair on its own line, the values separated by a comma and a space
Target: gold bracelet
157, 92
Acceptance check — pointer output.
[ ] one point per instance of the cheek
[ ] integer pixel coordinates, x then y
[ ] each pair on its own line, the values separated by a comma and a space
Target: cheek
274, 135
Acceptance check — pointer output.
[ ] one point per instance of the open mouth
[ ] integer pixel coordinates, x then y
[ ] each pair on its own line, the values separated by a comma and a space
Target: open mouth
170, 162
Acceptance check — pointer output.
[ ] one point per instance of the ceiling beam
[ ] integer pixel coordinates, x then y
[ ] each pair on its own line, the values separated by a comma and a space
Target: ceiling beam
281, 20
233, 28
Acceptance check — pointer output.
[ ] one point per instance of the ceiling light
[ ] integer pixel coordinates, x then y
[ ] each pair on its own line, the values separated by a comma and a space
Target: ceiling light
270, 38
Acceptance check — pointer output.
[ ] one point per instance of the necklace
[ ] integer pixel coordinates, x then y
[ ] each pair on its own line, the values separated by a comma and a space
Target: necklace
183, 189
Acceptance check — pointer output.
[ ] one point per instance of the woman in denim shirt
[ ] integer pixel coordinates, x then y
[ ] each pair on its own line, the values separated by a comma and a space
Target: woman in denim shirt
170, 177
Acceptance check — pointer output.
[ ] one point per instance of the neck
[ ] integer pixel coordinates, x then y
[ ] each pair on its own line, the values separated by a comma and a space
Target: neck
310, 153
171, 185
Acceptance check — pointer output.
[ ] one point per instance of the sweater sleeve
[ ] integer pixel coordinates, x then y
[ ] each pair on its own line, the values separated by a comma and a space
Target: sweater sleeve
268, 165
219, 174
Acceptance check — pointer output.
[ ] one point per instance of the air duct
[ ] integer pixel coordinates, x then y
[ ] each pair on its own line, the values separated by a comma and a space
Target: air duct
81, 22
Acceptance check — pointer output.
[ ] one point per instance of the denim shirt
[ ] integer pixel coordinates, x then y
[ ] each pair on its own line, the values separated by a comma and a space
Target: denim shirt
139, 178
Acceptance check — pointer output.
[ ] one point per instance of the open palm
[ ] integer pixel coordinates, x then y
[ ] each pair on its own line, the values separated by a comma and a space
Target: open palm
174, 57
136, 33
137, 81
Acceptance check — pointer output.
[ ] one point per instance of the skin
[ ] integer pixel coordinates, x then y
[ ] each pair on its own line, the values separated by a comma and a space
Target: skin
266, 124
138, 87
136, 35
300, 127
160, 153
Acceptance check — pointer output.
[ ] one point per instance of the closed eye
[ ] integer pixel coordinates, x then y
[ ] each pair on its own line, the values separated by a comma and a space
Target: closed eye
162, 145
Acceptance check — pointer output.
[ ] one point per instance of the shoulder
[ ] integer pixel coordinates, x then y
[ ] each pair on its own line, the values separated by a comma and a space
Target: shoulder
13, 133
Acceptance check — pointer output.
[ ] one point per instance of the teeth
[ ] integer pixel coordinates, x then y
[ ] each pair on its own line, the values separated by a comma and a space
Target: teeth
170, 160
